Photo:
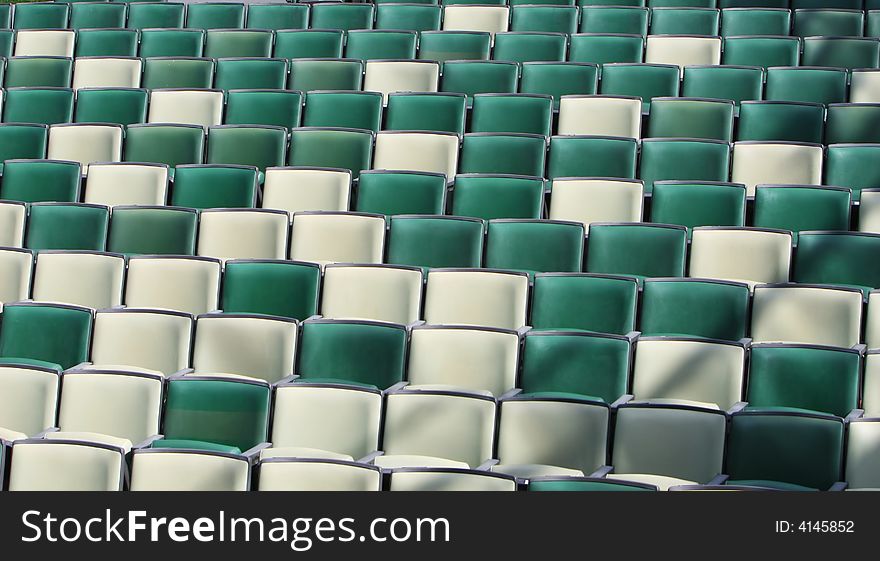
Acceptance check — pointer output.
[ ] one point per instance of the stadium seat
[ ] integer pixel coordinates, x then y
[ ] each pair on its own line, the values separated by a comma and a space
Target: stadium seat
378, 44
277, 16
435, 241
280, 108
682, 117
585, 484
34, 181
65, 465
67, 226
841, 52
750, 255
88, 279
55, 336
29, 398
845, 167
297, 189
420, 111
852, 123
684, 159
215, 15
153, 230
186, 284
535, 246
861, 454
614, 19
736, 83
646, 81
172, 145
443, 46
477, 297
544, 19
193, 107
489, 196
189, 470
516, 154
271, 287
530, 46
32, 72
828, 22
139, 339
172, 43
869, 212
682, 50
606, 48
416, 17
317, 474
261, 146
596, 200
558, 79
237, 233
809, 84
762, 51
776, 163
488, 19
388, 192
864, 86
122, 106
350, 149
642, 250
479, 76
42, 16
592, 156
309, 43
44, 42
433, 152
797, 208
13, 217
844, 258
342, 15
215, 186
706, 308
107, 72
781, 121
106, 42
359, 110
449, 479
590, 302
698, 203
685, 21
602, 115
390, 293
257, 73
46, 106
327, 237
156, 15
18, 265
737, 22
512, 113
228, 43
178, 72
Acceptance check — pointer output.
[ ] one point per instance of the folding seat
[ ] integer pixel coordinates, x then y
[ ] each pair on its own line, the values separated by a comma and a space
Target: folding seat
580, 363
706, 308
689, 370
872, 344
172, 43
588, 200
401, 192
17, 269
646, 81
256, 73
763, 51
55, 336
328, 237
123, 106
169, 72
809, 84
642, 250
106, 42
388, 76
434, 152
845, 166
107, 72
189, 470
698, 203
243, 233
309, 43
25, 72
261, 146
488, 196
350, 149
29, 398
449, 479
377, 44
280, 108
141, 340
297, 189
637, 3
67, 226
12, 217
517, 154
606, 48
544, 19
315, 74
7, 40
842, 52
271, 287
65, 465
861, 454
229, 43
443, 46
365, 353
435, 241
872, 23
852, 123
685, 21
844, 258
684, 159
755, 21
47, 106
42, 16
278, 473
245, 345
691, 118
89, 279
529, 46
817, 315
781, 121
85, 143
683, 50
802, 207
420, 111
45, 43
512, 113
186, 107
477, 297
614, 19
437, 428
22, 141
215, 186
171, 144
215, 16
869, 212
187, 284
342, 16
152, 230
750, 255
474, 77
535, 245
391, 293
278, 16
411, 17
156, 15
777, 163
592, 156
681, 4
6, 17
489, 19
574, 484
97, 15
600, 115
828, 22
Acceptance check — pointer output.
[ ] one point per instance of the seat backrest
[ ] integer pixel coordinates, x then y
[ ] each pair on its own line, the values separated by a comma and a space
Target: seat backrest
157, 340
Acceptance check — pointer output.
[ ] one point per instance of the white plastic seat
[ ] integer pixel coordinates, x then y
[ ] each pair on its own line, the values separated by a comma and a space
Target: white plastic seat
865, 86
336, 237
107, 72
153, 340
127, 183
60, 465
448, 479
186, 284
391, 293
389, 76
751, 255
28, 400
776, 163
683, 50
869, 211
589, 200
307, 189
491, 19
12, 223
83, 278
243, 233
189, 107
871, 391
602, 115
85, 143
477, 297
863, 454
16, 267
44, 42
435, 152
297, 474
188, 470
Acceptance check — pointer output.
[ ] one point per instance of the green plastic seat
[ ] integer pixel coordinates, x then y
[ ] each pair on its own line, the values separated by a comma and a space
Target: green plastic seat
515, 154
646, 81
281, 108
723, 4
691, 118
39, 181
851, 165
401, 192
614, 19
423, 111
347, 109
683, 3
512, 113
572, 362
46, 106
755, 21
277, 288
277, 16
781, 120
177, 72
97, 15
49, 333
373, 44
808, 84
483, 76
763, 51
828, 22
637, 3
7, 40
529, 46
592, 156
642, 250
685, 21
852, 123
545, 19
50, 15
124, 106
67, 226
872, 24
712, 309
557, 79
589, 302
139, 230
698, 203
598, 48
23, 141
168, 144
831, 4
158, 15
172, 43
36, 72
107, 42
325, 74
683, 159
361, 352
736, 83
543, 246
215, 15
6, 16
411, 17
350, 149
846, 258
260, 146
215, 186
342, 15
309, 43
229, 43
454, 45
802, 207
488, 196
842, 52
247, 73
585, 484
435, 241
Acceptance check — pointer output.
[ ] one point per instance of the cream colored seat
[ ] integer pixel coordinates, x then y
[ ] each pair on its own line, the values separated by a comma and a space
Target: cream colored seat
602, 115
389, 76
45, 42
337, 237
751, 255
12, 222
797, 313
154, 340
863, 454
189, 107
186, 284
689, 370
483, 297
298, 189
548, 436
872, 321
683, 50
61, 465
589, 200
869, 211
449, 479
28, 400
492, 19
83, 278
871, 391
235, 233
297, 474
471, 358
776, 163
865, 86
435, 152
127, 183
107, 72
391, 293
16, 267
85, 143
255, 346
188, 470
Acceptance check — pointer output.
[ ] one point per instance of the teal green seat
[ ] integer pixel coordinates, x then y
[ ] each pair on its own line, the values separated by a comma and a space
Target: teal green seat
280, 108
31, 362
411, 17
842, 52
278, 288
341, 15
47, 106
685, 21
764, 484
852, 123
489, 196
6, 16
637, 3
755, 21
736, 83
712, 309
851, 165
683, 3
802, 207
435, 241
50, 333
156, 15
215, 186
516, 154
545, 19
7, 40
592, 156
558, 79
530, 46
277, 16
357, 351
781, 120
229, 43
325, 74
454, 45
811, 85
550, 483
67, 226
350, 149
753, 4
183, 444
309, 43
172, 43
614, 19
698, 203
424, 111
106, 42
512, 113
260, 146
23, 141
589, 302
762, 51
479, 76
683, 159
872, 24
646, 81
691, 118
40, 15
123, 106
347, 109
97, 15
379, 44
607, 48
828, 22
170, 144
37, 181
140, 230
178, 72
250, 73
832, 4
535, 246
401, 192
38, 72
846, 258
642, 250
215, 15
